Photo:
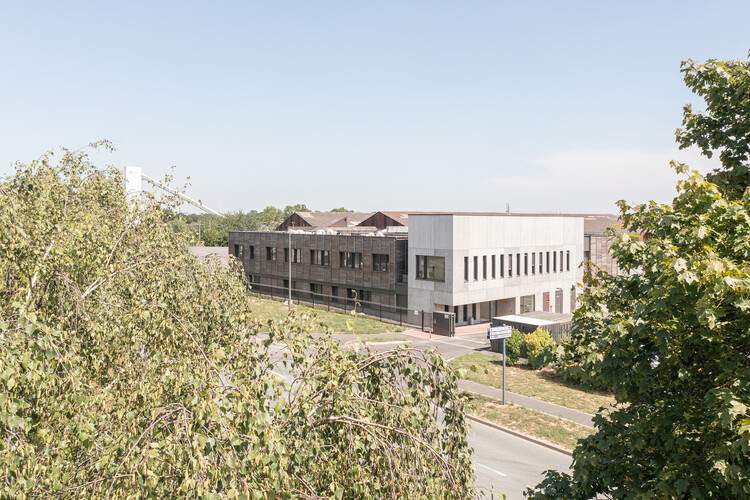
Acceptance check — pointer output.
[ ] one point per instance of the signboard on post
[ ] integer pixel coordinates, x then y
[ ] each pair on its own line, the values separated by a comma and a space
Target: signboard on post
499, 332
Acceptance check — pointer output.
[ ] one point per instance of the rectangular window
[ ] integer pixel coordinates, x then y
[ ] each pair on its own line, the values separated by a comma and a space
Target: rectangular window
546, 266
527, 303
352, 260
533, 262
286, 254
561, 261
252, 251
359, 294
518, 264
554, 262
484, 267
430, 268
493, 267
316, 288
320, 257
526, 264
297, 255
476, 268
466, 269
270, 253
567, 260
380, 262
502, 265
286, 284
510, 264
540, 262
238, 251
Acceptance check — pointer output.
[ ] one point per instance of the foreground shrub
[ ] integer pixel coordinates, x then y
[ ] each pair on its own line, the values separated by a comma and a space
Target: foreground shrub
129, 368
514, 346
540, 348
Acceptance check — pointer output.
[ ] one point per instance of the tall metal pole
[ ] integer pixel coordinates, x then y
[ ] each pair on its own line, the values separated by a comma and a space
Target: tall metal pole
503, 371
289, 254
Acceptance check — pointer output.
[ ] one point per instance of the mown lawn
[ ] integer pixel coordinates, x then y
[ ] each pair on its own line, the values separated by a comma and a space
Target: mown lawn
541, 384
561, 432
265, 309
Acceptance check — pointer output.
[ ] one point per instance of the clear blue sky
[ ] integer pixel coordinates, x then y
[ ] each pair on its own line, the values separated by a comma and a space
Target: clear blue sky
370, 105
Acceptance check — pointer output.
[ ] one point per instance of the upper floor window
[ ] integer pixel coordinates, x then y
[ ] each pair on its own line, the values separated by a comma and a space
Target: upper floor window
466, 269
320, 257
493, 267
238, 251
502, 265
567, 260
352, 260
270, 253
484, 267
510, 264
554, 262
540, 262
476, 268
380, 262
297, 255
525, 264
533, 262
430, 267
518, 264
546, 266
252, 251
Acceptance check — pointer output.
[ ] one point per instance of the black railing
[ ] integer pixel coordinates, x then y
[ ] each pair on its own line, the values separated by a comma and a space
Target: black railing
389, 313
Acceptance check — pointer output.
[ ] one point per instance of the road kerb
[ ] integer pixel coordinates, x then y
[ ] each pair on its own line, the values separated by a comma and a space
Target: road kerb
521, 435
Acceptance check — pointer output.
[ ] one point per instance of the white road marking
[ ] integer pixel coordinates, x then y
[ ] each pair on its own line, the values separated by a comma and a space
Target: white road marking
492, 470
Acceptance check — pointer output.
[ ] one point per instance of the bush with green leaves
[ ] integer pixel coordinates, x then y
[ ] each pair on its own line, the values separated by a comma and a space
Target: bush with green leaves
129, 368
673, 332
514, 346
540, 348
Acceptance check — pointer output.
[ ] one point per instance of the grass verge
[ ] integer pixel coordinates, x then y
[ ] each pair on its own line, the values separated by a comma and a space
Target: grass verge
561, 432
541, 384
265, 309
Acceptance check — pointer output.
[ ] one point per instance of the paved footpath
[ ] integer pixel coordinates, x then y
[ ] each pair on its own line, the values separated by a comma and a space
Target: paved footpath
576, 416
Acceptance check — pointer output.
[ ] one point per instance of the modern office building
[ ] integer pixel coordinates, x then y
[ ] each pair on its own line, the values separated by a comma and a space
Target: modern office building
476, 265
480, 265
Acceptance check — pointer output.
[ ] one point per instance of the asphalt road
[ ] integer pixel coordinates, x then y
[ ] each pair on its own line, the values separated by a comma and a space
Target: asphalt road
507, 464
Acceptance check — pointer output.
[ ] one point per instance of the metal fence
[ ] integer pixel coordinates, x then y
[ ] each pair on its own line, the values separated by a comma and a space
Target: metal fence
439, 322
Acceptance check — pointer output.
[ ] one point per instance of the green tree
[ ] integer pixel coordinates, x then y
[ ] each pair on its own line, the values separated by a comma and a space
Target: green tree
290, 209
673, 332
724, 125
130, 369
340, 209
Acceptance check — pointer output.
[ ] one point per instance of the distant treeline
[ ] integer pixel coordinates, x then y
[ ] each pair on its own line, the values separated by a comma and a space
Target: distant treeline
212, 230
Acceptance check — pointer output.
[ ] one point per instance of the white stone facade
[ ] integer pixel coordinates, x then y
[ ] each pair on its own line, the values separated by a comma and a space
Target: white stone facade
481, 236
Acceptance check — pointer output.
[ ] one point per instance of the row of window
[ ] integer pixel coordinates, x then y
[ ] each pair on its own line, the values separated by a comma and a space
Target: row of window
549, 262
351, 260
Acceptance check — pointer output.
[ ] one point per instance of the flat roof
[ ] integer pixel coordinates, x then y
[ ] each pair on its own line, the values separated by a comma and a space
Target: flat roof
512, 214
536, 318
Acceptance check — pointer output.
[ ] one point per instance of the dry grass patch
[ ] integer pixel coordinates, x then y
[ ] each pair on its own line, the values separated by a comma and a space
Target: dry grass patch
561, 432
486, 369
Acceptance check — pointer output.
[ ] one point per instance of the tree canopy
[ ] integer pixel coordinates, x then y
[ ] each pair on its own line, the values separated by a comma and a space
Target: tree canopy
671, 336
129, 368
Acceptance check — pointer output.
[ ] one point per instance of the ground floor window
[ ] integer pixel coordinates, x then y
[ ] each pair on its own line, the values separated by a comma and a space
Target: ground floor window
527, 303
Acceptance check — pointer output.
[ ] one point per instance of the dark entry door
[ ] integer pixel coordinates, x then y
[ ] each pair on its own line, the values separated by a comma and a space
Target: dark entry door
558, 300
